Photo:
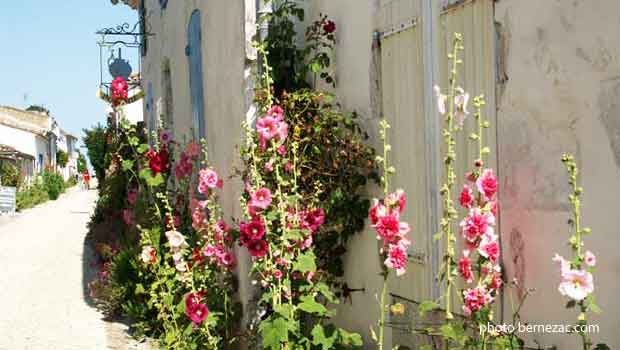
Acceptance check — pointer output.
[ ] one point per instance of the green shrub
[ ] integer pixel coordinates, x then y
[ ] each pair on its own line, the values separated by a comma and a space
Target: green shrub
62, 158
54, 184
31, 196
9, 175
71, 182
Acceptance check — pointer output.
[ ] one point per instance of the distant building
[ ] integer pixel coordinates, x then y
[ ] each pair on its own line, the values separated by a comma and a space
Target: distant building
31, 139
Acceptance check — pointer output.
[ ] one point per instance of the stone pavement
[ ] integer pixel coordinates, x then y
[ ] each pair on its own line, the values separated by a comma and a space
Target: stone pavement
43, 276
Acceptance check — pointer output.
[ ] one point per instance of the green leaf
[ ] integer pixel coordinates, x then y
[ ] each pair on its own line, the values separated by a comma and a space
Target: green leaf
352, 339
602, 346
309, 305
427, 306
127, 164
139, 289
134, 141
305, 263
143, 148
154, 181
319, 338
274, 333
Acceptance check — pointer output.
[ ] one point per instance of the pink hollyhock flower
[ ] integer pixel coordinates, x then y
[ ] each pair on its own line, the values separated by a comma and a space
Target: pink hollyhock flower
176, 240
193, 150
467, 197
269, 166
277, 274
276, 112
282, 262
148, 255
307, 242
132, 196
209, 251
399, 198
590, 258
258, 248
390, 229
267, 128
225, 258
487, 183
165, 137
196, 311
261, 198
254, 230
397, 258
207, 179
377, 210
476, 224
282, 132
465, 269
489, 247
576, 284
282, 150
474, 299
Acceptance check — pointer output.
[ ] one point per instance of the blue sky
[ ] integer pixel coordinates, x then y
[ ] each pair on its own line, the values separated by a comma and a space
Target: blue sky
48, 52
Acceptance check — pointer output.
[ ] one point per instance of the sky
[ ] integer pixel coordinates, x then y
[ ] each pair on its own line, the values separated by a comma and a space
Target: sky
49, 56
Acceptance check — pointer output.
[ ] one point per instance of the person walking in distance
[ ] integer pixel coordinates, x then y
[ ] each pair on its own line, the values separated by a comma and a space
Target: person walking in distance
86, 179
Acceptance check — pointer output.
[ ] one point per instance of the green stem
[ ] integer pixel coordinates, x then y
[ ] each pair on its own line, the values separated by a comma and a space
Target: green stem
382, 311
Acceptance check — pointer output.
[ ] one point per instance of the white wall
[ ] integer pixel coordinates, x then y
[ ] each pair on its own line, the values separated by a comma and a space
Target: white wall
26, 142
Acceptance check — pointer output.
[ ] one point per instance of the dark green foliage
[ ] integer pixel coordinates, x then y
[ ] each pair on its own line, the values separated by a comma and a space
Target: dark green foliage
81, 163
62, 158
95, 141
54, 184
9, 175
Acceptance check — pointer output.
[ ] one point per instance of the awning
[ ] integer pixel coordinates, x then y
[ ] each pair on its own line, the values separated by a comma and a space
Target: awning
8, 152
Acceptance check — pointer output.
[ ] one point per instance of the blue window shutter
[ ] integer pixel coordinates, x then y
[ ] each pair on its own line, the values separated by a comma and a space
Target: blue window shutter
194, 54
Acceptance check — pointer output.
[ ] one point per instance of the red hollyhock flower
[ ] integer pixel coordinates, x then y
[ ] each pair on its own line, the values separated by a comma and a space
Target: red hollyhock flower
329, 27
253, 231
196, 311
158, 161
258, 248
119, 90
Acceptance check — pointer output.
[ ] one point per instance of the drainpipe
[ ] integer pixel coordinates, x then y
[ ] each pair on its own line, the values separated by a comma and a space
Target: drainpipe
430, 27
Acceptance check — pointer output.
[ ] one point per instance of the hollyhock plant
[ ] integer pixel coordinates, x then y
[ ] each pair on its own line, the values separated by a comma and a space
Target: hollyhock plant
385, 219
576, 278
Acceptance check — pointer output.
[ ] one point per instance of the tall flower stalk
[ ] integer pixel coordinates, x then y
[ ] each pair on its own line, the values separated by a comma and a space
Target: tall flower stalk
577, 280
385, 219
449, 212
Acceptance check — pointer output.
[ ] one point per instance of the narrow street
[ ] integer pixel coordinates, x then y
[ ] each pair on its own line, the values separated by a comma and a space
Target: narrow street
42, 279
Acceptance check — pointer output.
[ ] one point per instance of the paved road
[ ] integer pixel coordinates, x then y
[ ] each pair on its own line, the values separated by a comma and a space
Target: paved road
42, 295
